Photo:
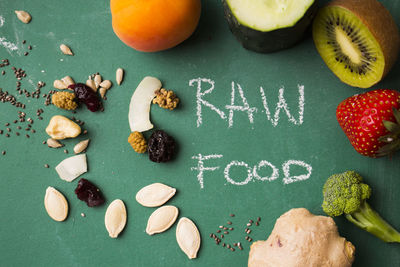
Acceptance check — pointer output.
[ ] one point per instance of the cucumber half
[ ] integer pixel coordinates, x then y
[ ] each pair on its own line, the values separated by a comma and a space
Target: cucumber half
269, 25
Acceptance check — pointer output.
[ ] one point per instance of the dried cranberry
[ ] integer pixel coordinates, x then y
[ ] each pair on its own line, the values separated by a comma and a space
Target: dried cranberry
161, 147
86, 95
88, 192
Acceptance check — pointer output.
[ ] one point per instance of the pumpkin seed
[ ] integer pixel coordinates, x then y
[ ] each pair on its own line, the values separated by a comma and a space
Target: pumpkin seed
115, 218
188, 237
91, 84
97, 80
154, 195
66, 50
106, 84
23, 16
161, 219
81, 146
55, 204
68, 81
102, 92
59, 84
119, 75
53, 143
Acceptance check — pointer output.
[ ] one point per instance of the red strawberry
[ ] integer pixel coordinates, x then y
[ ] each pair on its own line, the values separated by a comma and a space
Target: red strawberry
371, 121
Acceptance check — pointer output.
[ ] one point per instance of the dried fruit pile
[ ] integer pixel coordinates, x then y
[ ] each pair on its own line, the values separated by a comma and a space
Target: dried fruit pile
161, 146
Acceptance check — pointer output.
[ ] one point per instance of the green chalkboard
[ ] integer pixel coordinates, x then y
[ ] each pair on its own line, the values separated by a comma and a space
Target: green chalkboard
238, 140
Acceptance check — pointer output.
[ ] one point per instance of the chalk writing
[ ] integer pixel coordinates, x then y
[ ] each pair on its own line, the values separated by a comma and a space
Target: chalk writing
245, 107
283, 105
200, 101
3, 41
252, 172
200, 166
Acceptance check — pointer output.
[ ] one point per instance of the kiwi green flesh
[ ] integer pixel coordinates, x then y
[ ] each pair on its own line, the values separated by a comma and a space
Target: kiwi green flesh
348, 47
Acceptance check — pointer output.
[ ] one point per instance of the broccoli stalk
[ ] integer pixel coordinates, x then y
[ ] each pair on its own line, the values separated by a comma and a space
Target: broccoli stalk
345, 193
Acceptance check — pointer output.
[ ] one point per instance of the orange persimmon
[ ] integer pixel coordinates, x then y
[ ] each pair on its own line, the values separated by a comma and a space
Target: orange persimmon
154, 25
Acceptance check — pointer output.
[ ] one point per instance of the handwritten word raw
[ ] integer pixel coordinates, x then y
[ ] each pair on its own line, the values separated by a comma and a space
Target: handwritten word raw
244, 105
252, 172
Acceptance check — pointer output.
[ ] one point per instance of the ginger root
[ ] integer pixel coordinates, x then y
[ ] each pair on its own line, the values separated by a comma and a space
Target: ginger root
301, 238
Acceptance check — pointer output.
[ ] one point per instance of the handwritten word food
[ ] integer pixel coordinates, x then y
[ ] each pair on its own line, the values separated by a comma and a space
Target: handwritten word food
87, 96
269, 26
81, 146
206, 86
166, 99
115, 218
151, 26
371, 121
64, 100
346, 194
252, 172
66, 50
359, 41
188, 237
139, 107
161, 219
88, 192
55, 204
155, 195
23, 16
161, 147
300, 238
61, 127
71, 168
119, 75
138, 142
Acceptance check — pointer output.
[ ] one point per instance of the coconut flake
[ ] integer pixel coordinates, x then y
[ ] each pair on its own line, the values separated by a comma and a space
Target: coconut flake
72, 167
139, 108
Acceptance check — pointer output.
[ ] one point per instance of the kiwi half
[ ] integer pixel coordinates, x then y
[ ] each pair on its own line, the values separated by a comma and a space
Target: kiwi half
358, 40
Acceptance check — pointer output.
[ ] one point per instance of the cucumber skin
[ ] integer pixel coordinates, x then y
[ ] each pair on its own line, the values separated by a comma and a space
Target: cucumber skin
272, 41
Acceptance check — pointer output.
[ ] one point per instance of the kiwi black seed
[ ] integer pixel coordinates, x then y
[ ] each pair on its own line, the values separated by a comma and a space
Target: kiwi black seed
358, 40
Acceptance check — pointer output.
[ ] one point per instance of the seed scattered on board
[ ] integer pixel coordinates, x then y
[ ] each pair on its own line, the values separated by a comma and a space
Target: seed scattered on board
23, 16
66, 50
119, 76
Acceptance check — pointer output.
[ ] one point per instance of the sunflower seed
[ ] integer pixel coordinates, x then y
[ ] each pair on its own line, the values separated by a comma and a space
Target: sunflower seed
66, 50
161, 219
102, 92
119, 75
67, 81
91, 84
115, 218
53, 143
106, 84
23, 16
55, 204
81, 146
59, 84
188, 237
97, 80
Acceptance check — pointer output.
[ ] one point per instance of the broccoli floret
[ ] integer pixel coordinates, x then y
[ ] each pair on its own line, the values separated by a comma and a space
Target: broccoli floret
345, 193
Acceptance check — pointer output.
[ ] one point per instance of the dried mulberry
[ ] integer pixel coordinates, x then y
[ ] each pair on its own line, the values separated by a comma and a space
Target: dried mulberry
88, 192
86, 95
137, 141
166, 99
161, 147
64, 100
